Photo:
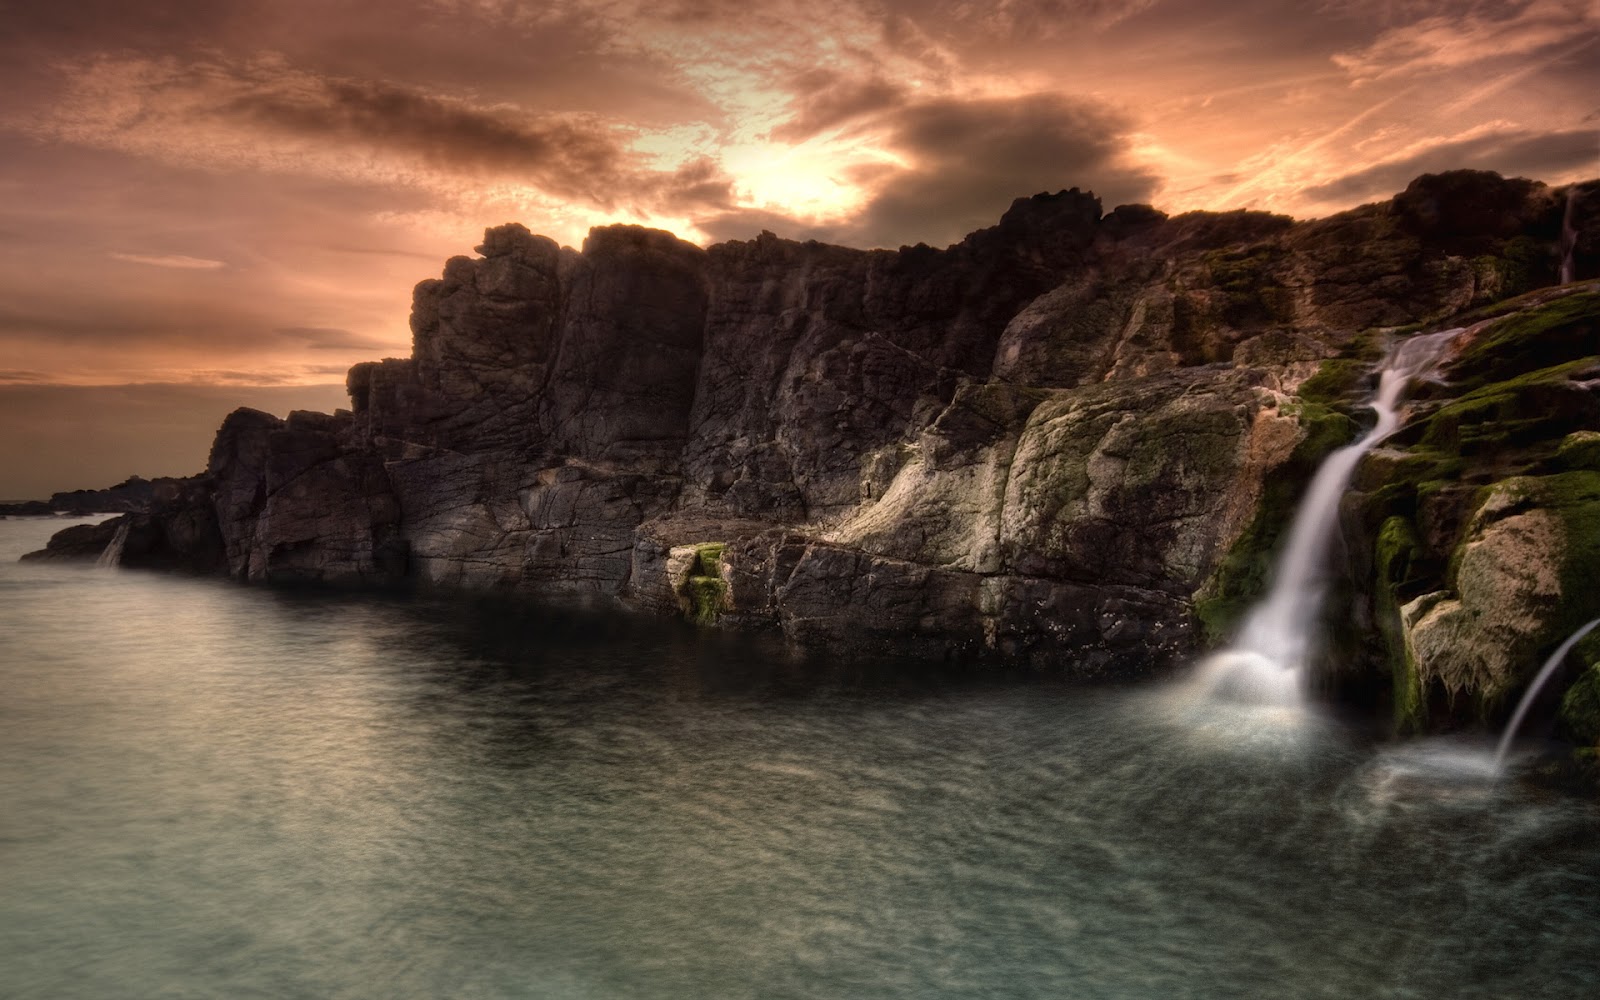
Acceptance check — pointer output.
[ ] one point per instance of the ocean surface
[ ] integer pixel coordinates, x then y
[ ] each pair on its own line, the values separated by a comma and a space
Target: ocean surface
216, 791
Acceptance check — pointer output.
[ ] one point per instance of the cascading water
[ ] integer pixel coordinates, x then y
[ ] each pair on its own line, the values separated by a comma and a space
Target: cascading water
112, 556
1569, 235
1543, 676
1267, 662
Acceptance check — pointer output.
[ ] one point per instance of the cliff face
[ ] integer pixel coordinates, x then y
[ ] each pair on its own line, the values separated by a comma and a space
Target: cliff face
1042, 443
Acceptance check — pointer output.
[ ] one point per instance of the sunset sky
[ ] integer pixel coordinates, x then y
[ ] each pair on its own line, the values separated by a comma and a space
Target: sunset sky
205, 202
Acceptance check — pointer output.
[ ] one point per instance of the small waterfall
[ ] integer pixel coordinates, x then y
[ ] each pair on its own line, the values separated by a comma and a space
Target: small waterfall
1569, 235
112, 556
1544, 675
1267, 662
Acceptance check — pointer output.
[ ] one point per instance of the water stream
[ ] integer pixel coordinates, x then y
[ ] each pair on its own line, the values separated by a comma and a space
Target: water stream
112, 556
1266, 664
1569, 235
1544, 675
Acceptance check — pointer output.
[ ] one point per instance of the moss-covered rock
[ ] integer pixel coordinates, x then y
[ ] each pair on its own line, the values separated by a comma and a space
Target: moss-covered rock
1554, 326
1539, 406
705, 593
1580, 450
1397, 550
1517, 585
1579, 719
1241, 576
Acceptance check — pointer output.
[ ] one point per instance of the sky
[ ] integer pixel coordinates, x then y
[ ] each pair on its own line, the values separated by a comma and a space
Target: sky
204, 194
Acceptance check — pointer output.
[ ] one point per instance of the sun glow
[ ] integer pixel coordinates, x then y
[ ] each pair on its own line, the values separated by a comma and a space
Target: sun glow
804, 179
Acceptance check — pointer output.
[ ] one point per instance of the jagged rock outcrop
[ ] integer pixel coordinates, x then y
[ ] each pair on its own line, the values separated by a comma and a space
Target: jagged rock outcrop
1042, 443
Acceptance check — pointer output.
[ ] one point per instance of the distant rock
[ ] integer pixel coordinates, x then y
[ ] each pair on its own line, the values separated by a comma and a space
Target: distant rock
133, 495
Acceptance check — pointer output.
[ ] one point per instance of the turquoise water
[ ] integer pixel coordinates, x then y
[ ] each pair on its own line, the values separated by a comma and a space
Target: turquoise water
209, 790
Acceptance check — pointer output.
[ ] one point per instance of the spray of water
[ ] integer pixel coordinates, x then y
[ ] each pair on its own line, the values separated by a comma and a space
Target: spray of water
112, 556
1267, 662
1544, 675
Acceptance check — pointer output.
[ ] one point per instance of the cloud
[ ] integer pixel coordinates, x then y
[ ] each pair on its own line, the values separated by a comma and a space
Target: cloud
113, 320
1510, 151
265, 114
12, 375
1476, 36
1042, 18
331, 338
828, 99
959, 163
971, 158
572, 156
87, 25
175, 261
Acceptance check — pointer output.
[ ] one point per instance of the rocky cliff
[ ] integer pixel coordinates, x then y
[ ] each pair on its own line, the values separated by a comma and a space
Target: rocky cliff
1070, 439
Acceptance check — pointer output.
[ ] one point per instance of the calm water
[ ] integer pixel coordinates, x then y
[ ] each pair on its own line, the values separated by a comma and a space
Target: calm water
213, 791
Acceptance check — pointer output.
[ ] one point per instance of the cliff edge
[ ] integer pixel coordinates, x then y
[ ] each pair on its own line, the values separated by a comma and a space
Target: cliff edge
1067, 440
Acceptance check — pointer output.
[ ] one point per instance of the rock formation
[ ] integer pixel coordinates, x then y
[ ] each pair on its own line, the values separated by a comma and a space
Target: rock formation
1069, 440
134, 495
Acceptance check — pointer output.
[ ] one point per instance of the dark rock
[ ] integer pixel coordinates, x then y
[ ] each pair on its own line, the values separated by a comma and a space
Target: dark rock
1038, 444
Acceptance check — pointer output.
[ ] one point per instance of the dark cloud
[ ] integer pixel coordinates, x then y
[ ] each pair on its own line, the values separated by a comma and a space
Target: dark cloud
22, 376
692, 189
973, 158
825, 100
89, 437
570, 157
1514, 153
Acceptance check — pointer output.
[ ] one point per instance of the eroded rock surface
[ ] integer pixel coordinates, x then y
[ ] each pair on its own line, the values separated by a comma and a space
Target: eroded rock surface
1040, 443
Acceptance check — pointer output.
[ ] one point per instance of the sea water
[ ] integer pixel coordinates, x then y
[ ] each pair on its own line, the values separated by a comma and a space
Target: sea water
210, 790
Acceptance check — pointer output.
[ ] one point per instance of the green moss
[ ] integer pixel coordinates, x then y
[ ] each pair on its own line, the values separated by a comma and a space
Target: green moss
1580, 450
708, 558
1251, 292
1342, 380
1576, 497
1395, 552
1337, 380
1509, 414
706, 590
1579, 717
706, 596
1527, 340
1241, 576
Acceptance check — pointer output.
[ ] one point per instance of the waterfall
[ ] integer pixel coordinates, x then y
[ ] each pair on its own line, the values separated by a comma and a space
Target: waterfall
1545, 672
112, 556
1569, 235
1267, 662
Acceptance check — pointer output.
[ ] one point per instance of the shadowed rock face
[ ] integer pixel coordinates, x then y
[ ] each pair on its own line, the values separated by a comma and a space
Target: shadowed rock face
1040, 443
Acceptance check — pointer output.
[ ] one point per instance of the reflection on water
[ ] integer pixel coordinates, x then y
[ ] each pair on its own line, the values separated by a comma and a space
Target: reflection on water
219, 791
